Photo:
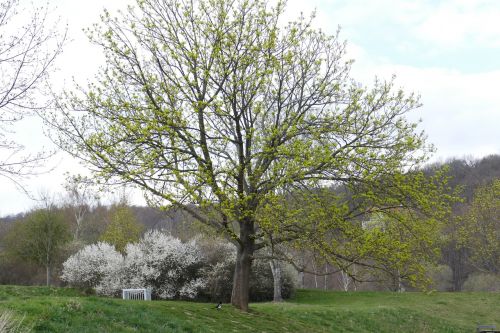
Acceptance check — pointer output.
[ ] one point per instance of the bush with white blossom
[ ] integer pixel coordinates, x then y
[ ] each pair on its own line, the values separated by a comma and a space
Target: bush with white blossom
158, 261
170, 267
92, 267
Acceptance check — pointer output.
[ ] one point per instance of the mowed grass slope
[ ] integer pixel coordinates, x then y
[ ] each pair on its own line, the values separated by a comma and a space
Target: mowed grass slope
66, 310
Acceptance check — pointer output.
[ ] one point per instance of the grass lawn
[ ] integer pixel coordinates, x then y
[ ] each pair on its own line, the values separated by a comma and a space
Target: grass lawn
65, 310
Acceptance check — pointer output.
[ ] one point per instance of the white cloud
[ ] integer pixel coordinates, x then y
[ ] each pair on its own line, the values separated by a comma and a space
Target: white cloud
442, 24
460, 112
455, 23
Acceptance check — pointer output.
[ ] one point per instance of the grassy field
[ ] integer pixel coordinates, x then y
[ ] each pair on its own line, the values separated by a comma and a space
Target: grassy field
65, 310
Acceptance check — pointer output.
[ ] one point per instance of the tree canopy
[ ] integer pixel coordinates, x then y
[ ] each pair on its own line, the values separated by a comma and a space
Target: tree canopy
216, 107
123, 227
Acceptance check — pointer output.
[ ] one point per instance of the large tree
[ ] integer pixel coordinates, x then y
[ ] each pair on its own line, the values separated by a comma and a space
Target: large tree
215, 106
28, 49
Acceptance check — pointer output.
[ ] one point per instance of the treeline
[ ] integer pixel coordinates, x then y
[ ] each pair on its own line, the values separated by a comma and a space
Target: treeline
33, 245
96, 247
470, 249
468, 256
67, 228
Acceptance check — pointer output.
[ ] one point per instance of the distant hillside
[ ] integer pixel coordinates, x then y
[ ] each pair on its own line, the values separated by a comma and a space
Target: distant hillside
177, 222
470, 173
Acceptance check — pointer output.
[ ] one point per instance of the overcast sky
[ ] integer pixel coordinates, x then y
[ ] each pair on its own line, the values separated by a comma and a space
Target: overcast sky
448, 51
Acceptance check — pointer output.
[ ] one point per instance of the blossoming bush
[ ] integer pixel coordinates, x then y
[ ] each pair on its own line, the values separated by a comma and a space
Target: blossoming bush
94, 266
158, 261
171, 268
162, 262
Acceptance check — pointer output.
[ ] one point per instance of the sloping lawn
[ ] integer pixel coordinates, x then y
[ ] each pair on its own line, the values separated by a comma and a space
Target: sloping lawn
66, 310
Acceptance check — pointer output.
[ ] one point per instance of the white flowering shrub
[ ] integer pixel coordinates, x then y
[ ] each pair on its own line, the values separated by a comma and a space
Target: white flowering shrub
95, 266
162, 262
158, 261
111, 284
192, 288
171, 268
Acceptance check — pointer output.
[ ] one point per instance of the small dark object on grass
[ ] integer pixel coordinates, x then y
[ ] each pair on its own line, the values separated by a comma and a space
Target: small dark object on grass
219, 306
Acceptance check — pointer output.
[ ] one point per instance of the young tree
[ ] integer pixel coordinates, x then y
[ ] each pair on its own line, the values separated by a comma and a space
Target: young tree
28, 49
123, 227
212, 106
80, 199
39, 238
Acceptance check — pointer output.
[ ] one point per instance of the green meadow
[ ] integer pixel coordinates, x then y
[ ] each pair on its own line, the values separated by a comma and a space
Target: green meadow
67, 310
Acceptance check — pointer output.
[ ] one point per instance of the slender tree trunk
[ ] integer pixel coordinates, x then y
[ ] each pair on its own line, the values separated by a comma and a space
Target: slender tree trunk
48, 261
326, 278
345, 280
47, 270
79, 222
242, 269
301, 280
277, 280
315, 274
355, 272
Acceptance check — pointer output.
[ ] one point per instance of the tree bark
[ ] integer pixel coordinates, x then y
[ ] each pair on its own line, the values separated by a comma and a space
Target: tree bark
315, 274
325, 278
47, 269
301, 280
47, 260
277, 280
79, 222
241, 281
345, 280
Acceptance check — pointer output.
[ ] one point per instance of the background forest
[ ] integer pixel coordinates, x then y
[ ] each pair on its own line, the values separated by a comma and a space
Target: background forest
468, 256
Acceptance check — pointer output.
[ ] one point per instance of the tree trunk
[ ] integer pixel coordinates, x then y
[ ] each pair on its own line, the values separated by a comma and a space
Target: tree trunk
345, 280
48, 261
241, 280
326, 277
315, 274
301, 280
47, 269
277, 280
79, 222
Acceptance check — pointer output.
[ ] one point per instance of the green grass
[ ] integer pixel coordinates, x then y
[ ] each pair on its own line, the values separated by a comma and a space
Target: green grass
66, 310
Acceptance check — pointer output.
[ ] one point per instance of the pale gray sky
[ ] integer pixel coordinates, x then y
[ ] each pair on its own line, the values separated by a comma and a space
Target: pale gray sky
446, 50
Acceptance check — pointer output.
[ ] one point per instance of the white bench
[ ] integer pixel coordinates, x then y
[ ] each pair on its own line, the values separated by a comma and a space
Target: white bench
139, 294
